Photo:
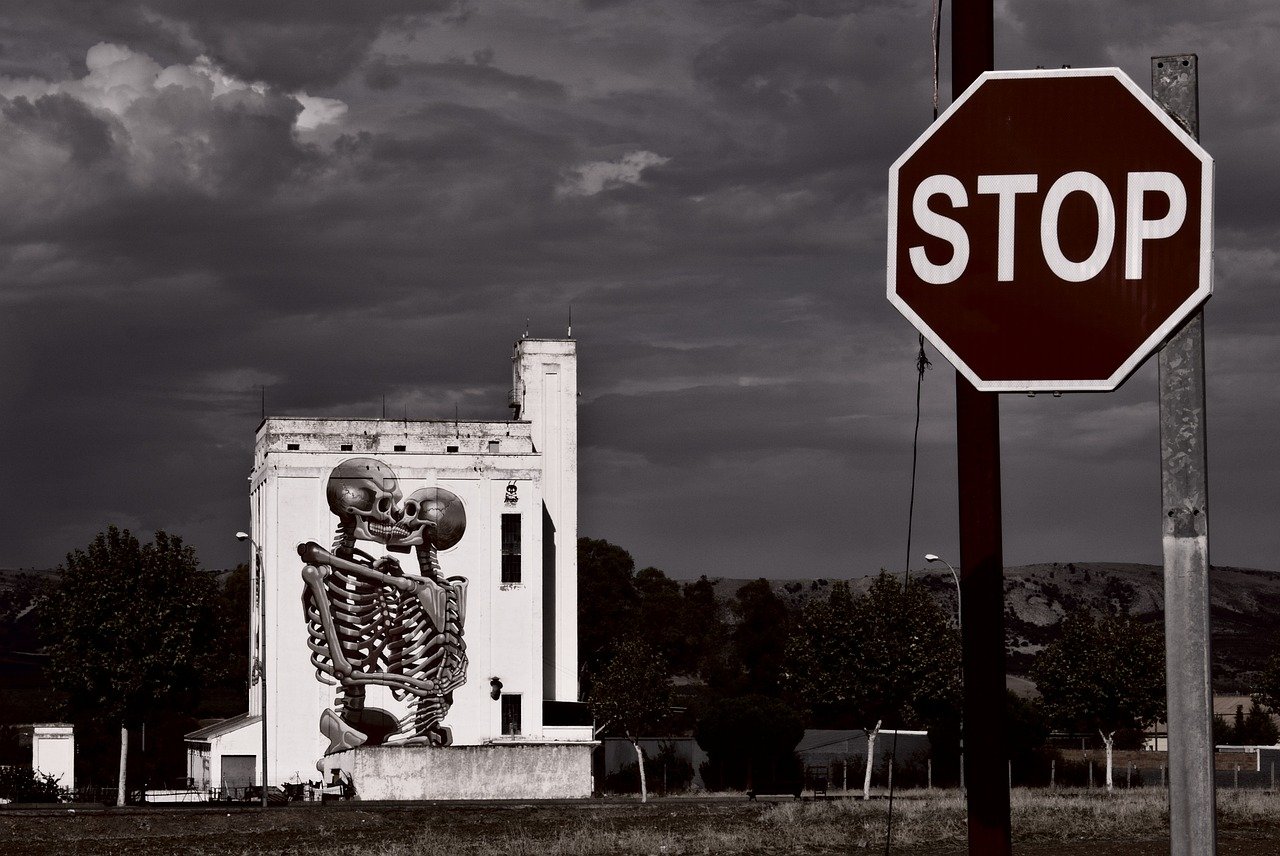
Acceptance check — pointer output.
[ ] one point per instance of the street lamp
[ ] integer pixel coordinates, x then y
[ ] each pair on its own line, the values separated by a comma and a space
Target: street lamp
260, 656
930, 557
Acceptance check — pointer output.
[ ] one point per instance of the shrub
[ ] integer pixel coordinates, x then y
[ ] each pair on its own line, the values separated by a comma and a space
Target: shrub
24, 785
666, 770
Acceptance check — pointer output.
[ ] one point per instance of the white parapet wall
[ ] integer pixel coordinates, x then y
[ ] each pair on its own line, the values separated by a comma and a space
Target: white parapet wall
494, 771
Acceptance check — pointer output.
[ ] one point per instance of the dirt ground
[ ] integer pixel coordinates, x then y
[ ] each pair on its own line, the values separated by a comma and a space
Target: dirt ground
356, 829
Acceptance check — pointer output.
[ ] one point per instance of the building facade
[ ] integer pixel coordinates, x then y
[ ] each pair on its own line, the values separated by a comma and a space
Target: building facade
416, 587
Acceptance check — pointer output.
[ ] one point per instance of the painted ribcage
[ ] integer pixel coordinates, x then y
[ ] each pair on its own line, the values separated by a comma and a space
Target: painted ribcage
433, 657
357, 611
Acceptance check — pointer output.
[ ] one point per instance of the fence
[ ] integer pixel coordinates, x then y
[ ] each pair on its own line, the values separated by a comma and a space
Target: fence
1148, 770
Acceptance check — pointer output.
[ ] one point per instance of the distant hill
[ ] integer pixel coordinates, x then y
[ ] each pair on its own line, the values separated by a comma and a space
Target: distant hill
18, 592
1244, 607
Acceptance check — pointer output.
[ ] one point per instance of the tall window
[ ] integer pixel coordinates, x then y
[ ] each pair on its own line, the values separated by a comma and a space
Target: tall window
511, 548
510, 713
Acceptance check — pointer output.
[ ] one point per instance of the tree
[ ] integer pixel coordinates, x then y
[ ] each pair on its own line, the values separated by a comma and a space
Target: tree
1120, 595
632, 693
1026, 732
225, 686
1267, 693
658, 614
1254, 729
1259, 729
127, 628
703, 627
750, 743
606, 599
760, 636
1103, 675
887, 657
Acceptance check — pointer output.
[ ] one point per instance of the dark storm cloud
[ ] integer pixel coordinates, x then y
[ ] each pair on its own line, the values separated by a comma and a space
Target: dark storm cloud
290, 43
295, 43
703, 182
478, 73
64, 122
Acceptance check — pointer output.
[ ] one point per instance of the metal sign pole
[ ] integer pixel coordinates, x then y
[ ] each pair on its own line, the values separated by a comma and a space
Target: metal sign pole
1185, 493
982, 625
981, 557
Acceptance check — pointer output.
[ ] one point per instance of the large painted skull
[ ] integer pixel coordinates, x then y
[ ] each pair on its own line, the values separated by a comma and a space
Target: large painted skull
435, 516
365, 494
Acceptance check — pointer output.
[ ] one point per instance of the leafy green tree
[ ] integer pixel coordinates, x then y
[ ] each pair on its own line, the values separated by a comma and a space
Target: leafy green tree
759, 637
750, 742
887, 657
1120, 595
226, 683
702, 622
1259, 728
607, 600
1102, 674
128, 629
1224, 733
1253, 729
632, 693
1026, 733
659, 614
1267, 693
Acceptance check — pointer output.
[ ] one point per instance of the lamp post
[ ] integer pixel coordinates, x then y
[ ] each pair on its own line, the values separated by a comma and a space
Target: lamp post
260, 655
930, 557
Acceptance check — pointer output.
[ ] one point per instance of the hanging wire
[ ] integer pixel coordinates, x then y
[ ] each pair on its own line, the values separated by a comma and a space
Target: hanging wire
937, 51
922, 365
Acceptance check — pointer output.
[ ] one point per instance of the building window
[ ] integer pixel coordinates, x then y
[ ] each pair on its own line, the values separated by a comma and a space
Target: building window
291, 447
510, 714
398, 448
511, 548
493, 447
451, 448
345, 447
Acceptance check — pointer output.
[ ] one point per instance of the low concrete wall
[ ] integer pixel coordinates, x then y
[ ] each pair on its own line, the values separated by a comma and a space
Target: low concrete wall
489, 772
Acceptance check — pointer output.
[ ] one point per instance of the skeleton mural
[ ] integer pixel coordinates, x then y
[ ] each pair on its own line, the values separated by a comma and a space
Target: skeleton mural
370, 622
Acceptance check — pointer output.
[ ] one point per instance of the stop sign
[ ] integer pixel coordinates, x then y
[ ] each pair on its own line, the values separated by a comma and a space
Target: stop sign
1050, 230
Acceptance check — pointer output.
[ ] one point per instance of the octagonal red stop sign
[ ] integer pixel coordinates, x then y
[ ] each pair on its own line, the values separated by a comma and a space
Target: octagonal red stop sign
1050, 230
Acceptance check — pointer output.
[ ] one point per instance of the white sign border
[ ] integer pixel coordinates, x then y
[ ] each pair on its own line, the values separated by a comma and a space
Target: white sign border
1203, 290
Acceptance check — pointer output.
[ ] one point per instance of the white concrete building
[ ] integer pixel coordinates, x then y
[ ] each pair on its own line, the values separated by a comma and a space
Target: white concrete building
435, 610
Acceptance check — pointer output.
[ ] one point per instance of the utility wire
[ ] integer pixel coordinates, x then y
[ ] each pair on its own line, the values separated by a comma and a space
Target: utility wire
922, 365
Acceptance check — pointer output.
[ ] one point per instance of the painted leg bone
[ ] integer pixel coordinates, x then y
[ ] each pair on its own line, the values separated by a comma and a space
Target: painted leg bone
341, 735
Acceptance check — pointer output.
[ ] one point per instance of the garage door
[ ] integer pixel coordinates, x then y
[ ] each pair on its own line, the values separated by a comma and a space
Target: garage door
238, 770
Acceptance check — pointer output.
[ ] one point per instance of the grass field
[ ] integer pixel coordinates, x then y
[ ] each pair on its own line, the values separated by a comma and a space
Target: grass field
1061, 823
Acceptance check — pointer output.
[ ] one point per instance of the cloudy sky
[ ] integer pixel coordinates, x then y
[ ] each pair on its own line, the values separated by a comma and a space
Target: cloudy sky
345, 200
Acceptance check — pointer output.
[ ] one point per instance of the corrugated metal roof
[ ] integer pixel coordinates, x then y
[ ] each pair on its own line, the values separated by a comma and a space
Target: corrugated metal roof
226, 726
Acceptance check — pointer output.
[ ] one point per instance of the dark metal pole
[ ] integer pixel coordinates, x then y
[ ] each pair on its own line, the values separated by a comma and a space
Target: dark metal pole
982, 625
981, 557
1184, 486
262, 661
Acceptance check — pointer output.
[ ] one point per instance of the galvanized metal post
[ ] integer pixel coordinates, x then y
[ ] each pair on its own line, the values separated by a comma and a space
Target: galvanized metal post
1185, 514
262, 661
981, 555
